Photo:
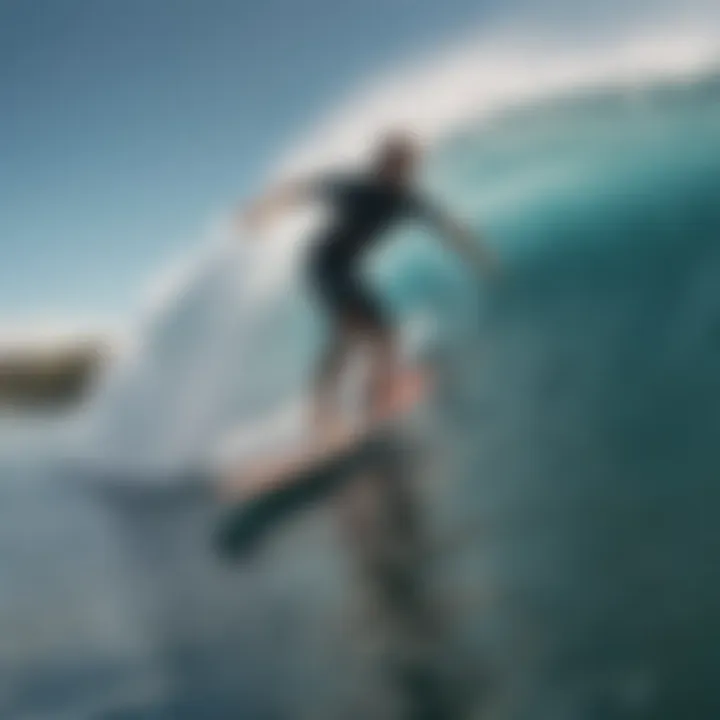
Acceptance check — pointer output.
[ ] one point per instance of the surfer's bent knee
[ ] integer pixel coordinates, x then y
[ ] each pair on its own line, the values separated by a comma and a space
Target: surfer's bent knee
378, 335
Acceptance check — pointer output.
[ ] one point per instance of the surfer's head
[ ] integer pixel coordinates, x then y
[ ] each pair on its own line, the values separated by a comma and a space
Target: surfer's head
396, 158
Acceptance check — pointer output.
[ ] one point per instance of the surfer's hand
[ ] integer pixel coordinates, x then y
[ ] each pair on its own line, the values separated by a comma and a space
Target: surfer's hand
268, 207
251, 218
473, 250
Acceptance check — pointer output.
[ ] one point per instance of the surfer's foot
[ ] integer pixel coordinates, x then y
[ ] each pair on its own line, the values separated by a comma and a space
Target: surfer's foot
405, 391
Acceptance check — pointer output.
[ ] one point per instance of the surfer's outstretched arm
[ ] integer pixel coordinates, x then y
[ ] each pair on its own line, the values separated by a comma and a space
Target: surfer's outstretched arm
467, 244
283, 197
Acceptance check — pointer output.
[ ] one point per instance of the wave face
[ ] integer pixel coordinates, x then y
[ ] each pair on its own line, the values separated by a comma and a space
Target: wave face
580, 404
587, 421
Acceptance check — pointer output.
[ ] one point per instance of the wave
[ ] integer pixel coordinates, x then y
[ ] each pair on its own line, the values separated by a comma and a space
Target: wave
471, 82
232, 333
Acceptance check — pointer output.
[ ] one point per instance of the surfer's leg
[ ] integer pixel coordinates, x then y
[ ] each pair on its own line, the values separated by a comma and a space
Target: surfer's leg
328, 377
330, 284
383, 372
372, 327
358, 319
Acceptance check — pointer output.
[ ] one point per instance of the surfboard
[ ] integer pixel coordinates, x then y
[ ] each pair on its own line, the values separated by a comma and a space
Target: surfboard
265, 491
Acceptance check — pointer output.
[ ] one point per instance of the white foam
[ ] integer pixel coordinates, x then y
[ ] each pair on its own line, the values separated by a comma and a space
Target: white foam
470, 81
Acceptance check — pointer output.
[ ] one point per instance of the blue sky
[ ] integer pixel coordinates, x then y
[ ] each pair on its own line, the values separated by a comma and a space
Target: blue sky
126, 123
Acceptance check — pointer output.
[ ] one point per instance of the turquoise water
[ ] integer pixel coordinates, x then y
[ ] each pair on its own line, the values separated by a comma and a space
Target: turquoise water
590, 445
573, 486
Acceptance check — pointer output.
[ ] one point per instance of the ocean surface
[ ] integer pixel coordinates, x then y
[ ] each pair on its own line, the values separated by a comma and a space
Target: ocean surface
572, 491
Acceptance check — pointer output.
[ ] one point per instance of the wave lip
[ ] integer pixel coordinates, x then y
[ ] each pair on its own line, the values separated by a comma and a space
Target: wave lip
473, 81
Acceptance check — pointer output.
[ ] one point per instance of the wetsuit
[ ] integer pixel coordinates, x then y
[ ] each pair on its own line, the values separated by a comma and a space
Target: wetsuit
364, 208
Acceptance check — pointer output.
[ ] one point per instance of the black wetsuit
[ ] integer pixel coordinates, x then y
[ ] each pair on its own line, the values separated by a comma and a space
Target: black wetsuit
363, 208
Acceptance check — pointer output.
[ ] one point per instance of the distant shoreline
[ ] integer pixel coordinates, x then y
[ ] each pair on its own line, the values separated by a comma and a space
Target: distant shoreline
51, 375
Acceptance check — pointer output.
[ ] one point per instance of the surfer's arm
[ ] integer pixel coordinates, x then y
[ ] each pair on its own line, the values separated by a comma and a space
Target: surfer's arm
468, 245
279, 199
471, 247
291, 194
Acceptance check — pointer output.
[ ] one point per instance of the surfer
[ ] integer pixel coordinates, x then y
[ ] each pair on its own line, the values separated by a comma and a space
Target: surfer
365, 205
